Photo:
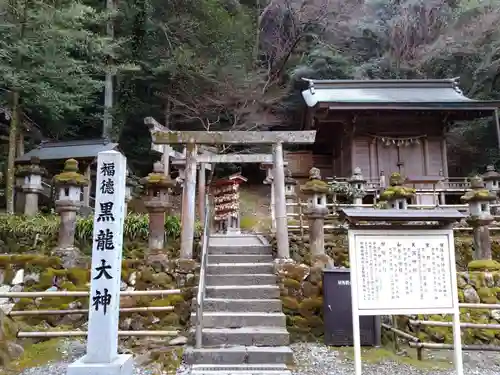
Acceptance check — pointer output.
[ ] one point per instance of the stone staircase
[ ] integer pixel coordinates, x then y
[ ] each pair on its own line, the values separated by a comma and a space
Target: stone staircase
244, 328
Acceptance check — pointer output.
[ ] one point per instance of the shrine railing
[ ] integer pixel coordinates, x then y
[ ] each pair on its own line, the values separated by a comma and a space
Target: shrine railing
200, 298
76, 294
414, 342
297, 221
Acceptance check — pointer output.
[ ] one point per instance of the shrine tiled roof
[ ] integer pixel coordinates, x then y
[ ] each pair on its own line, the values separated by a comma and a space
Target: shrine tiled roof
85, 149
424, 94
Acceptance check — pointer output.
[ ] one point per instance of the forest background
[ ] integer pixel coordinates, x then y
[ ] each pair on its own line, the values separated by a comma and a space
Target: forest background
230, 64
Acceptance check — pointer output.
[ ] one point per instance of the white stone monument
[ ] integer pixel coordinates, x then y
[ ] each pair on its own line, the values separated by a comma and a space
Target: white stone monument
402, 269
102, 356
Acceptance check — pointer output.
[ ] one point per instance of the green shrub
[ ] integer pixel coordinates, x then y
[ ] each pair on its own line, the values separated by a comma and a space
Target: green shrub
27, 230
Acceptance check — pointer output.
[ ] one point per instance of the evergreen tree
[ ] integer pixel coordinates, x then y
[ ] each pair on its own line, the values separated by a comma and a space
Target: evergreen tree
49, 57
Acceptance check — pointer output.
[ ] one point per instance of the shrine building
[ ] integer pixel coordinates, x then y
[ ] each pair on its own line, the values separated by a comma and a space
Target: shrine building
384, 126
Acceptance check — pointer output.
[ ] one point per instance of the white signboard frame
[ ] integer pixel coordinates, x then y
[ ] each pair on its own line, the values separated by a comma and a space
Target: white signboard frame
380, 301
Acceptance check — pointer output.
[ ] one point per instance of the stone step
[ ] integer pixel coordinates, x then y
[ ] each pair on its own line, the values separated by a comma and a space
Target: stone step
239, 258
239, 268
243, 292
243, 279
253, 249
246, 336
231, 319
242, 305
243, 369
236, 355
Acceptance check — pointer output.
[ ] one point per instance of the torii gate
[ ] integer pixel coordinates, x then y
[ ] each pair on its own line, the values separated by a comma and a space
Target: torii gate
194, 138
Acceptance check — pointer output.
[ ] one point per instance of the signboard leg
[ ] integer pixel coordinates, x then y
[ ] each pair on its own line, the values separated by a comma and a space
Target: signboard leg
102, 356
356, 333
457, 340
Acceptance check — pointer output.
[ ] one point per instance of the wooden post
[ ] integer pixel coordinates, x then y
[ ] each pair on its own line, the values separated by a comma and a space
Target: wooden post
497, 126
188, 204
280, 203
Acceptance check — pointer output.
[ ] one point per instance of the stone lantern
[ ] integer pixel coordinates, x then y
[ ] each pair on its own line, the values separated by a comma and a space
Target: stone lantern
492, 180
290, 193
478, 199
316, 190
157, 186
357, 184
130, 185
69, 186
396, 194
31, 176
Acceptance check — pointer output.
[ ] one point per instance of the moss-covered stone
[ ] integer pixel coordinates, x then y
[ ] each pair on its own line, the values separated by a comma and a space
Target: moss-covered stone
70, 175
484, 265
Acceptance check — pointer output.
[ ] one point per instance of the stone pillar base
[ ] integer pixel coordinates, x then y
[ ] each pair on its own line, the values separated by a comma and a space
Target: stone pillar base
70, 256
122, 365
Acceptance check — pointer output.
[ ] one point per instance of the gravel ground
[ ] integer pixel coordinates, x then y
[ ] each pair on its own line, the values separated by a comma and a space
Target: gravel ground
314, 359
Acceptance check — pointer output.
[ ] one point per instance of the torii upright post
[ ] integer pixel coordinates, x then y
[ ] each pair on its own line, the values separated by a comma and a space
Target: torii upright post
193, 138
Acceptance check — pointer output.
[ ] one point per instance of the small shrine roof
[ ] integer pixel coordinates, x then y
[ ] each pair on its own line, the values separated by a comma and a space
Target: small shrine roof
437, 94
84, 149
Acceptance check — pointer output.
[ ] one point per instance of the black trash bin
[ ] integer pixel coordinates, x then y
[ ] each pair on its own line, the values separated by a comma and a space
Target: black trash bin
337, 312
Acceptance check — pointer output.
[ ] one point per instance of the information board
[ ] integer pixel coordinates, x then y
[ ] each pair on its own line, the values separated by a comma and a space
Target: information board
404, 272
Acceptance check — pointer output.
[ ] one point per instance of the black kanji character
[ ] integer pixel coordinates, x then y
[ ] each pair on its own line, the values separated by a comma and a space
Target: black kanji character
106, 213
108, 186
105, 240
102, 271
103, 300
108, 169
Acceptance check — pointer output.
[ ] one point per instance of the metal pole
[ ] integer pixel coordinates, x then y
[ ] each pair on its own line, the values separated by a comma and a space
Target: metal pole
86, 311
84, 333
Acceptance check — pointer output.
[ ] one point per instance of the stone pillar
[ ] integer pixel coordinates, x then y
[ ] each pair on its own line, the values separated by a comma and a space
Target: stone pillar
32, 186
357, 184
316, 189
396, 194
290, 193
69, 185
478, 199
492, 182
280, 203
269, 180
156, 189
201, 191
189, 203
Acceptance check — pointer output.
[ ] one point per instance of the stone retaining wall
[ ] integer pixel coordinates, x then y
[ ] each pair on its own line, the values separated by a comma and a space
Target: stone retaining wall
42, 273
302, 296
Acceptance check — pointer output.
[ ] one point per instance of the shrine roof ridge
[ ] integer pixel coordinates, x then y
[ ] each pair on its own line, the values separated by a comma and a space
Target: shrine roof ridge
375, 214
434, 94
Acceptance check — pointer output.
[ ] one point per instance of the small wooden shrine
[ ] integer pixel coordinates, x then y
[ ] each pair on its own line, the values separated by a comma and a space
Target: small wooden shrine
226, 201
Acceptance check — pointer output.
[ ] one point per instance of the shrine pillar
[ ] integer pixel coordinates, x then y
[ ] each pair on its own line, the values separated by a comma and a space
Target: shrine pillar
396, 195
479, 199
157, 185
280, 202
357, 184
316, 189
69, 185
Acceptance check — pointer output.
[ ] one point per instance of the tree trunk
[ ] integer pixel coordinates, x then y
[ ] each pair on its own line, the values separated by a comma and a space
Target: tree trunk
14, 123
